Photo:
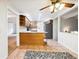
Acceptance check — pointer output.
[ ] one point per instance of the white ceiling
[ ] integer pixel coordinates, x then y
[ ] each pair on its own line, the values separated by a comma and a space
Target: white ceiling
31, 7
71, 13
28, 6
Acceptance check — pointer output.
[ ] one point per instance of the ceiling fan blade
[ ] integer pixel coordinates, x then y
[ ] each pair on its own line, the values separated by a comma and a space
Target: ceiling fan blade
53, 8
45, 7
69, 5
55, 1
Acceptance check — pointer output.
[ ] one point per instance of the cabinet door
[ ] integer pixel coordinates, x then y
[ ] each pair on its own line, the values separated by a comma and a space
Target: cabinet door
48, 29
22, 20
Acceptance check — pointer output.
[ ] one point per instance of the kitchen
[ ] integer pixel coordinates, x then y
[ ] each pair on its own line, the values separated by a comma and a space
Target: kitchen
29, 33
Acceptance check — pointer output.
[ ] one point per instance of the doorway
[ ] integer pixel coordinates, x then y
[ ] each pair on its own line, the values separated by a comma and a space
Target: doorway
12, 32
49, 29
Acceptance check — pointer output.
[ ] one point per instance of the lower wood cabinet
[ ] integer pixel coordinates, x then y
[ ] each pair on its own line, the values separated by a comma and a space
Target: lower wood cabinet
32, 38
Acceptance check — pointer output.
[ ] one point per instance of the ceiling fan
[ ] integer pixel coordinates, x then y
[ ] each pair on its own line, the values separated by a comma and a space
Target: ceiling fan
54, 3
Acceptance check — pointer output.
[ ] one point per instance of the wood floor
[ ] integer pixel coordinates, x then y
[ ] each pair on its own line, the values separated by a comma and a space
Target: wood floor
20, 51
11, 44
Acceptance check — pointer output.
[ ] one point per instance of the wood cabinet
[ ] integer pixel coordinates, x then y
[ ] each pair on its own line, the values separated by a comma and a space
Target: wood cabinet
32, 38
22, 20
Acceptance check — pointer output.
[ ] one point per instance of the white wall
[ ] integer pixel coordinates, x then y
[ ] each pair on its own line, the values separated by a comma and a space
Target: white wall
40, 26
70, 24
55, 29
17, 26
11, 28
13, 17
12, 25
3, 30
68, 40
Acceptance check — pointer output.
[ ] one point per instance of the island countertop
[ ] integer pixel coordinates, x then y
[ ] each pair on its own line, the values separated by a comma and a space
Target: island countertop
31, 32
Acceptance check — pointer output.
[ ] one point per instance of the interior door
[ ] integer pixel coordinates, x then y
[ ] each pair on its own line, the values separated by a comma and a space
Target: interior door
49, 30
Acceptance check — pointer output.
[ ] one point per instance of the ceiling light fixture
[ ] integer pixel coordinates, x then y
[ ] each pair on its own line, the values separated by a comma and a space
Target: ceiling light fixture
57, 5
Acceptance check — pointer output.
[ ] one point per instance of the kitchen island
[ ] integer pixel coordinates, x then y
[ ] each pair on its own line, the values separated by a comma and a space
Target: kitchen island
32, 38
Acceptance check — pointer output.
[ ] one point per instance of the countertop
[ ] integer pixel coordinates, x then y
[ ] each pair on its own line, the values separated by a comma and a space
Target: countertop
12, 35
31, 32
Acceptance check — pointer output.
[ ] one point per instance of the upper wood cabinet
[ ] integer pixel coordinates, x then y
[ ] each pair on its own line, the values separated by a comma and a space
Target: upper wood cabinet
22, 20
